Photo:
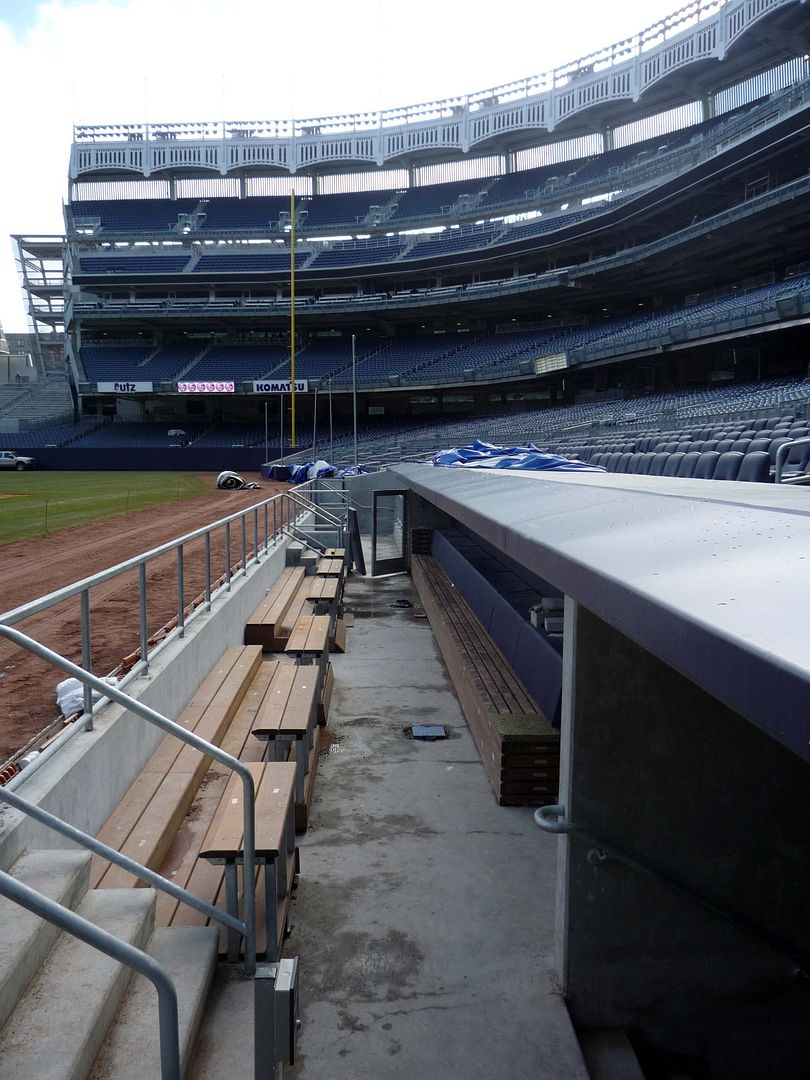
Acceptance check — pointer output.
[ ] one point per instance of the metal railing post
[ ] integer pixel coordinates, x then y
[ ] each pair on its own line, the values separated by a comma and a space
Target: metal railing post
256, 558
207, 571
143, 624
243, 523
87, 656
228, 556
181, 618
266, 517
172, 728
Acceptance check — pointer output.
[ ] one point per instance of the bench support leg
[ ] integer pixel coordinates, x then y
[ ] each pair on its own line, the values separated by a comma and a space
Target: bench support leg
271, 898
232, 907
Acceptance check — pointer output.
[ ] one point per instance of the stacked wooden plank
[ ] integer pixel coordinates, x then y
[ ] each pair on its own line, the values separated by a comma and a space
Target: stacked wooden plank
519, 748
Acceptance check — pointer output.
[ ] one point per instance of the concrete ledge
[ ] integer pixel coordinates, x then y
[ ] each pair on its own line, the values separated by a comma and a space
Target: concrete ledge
86, 779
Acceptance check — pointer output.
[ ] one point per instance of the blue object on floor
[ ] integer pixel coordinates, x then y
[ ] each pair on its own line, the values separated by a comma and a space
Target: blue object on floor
428, 732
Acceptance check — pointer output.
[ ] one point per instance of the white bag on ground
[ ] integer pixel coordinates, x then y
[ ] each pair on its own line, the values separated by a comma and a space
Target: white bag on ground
70, 695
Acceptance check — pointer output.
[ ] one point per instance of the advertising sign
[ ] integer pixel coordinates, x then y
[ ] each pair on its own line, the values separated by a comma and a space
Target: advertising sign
210, 387
123, 386
280, 386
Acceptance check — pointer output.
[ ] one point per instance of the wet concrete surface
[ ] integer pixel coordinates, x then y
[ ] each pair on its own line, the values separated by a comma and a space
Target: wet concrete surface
424, 913
423, 918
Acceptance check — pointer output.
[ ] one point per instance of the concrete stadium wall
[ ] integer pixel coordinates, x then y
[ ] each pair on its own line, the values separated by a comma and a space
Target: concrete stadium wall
85, 781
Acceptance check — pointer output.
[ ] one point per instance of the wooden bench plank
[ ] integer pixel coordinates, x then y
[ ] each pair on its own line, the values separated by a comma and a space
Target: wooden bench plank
126, 814
151, 835
322, 588
505, 722
262, 625
309, 635
274, 783
329, 567
335, 553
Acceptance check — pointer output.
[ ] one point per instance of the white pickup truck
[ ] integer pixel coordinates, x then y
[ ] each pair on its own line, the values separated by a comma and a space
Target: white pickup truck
10, 460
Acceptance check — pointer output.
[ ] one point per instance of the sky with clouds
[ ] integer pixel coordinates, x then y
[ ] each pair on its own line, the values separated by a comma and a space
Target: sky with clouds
69, 62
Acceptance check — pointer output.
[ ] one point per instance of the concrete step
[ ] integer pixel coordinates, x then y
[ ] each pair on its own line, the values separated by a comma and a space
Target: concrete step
25, 939
131, 1050
61, 1020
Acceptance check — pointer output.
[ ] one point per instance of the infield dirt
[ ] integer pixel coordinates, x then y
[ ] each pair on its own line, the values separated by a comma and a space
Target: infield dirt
32, 568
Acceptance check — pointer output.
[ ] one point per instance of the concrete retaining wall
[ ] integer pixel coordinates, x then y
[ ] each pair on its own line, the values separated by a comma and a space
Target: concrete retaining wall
84, 782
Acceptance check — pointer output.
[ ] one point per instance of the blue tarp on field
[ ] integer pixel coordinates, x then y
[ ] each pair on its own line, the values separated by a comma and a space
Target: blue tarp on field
483, 455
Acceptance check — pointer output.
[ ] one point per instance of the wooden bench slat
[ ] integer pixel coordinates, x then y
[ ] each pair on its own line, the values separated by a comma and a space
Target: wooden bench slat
128, 811
505, 722
310, 634
322, 588
274, 783
262, 625
288, 705
329, 567
151, 835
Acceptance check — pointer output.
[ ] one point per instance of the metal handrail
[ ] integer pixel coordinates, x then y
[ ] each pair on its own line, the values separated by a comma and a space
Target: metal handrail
552, 819
248, 926
97, 938
781, 455
86, 840
313, 508
82, 589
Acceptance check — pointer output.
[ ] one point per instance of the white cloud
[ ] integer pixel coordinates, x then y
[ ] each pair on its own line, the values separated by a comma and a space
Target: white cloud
117, 61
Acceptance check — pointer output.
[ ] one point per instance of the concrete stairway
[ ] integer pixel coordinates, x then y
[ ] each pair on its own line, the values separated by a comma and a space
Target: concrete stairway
69, 1012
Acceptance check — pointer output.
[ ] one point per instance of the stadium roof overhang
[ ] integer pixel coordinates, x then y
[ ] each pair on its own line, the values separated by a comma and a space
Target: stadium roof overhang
625, 548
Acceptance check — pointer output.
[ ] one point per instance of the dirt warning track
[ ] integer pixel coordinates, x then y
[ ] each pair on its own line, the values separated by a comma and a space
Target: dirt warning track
32, 568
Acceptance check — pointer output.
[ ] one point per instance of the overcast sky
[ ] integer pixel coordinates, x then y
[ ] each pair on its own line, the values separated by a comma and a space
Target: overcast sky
115, 61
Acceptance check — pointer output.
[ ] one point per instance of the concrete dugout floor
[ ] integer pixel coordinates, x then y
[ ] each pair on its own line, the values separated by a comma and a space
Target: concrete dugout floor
423, 919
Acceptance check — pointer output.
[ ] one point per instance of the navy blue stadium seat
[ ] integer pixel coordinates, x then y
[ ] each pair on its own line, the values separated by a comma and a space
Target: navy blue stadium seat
673, 463
624, 461
741, 444
689, 463
645, 464
723, 445
710, 444
612, 461
707, 462
634, 462
756, 445
776, 442
659, 463
755, 467
728, 465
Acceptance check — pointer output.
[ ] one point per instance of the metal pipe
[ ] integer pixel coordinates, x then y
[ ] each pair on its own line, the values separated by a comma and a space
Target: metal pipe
181, 617
122, 951
244, 548
33, 607
143, 615
228, 556
354, 396
87, 656
208, 571
85, 840
256, 558
782, 453
171, 728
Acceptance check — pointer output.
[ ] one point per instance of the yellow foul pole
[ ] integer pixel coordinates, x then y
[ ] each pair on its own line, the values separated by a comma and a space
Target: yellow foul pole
292, 316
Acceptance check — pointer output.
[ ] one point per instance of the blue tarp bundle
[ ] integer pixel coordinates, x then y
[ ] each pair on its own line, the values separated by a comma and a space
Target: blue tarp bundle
312, 470
483, 455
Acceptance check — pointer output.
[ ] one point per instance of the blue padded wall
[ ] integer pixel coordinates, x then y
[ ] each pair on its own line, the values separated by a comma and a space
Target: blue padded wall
501, 602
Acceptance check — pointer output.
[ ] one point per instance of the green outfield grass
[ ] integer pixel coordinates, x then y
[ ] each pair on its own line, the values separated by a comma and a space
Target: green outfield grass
48, 502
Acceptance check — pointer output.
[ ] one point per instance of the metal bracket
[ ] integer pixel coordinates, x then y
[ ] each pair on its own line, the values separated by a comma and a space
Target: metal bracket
276, 1017
552, 819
